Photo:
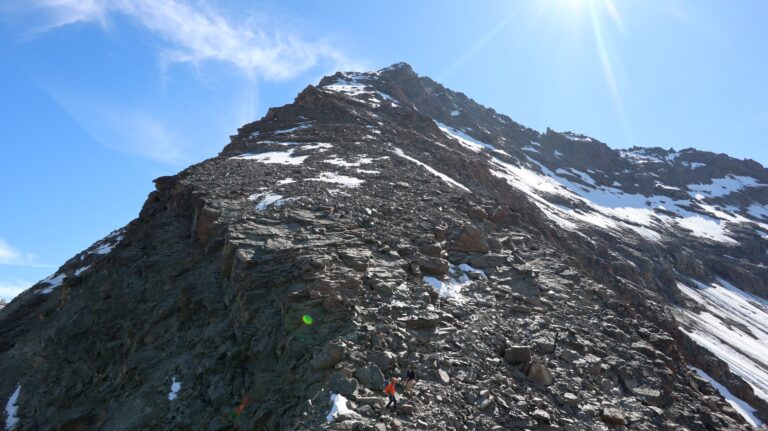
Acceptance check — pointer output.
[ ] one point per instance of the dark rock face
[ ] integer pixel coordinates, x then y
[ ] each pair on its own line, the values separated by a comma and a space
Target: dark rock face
381, 223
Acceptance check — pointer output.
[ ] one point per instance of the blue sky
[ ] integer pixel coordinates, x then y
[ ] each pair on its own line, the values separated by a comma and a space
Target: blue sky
100, 97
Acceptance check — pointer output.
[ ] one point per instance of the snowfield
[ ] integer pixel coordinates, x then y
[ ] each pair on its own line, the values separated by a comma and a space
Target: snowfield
610, 208
733, 325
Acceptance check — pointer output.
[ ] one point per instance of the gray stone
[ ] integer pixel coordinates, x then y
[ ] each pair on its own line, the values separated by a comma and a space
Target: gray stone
356, 259
540, 374
443, 377
371, 377
470, 240
517, 354
541, 416
432, 265
342, 384
613, 416
383, 360
327, 356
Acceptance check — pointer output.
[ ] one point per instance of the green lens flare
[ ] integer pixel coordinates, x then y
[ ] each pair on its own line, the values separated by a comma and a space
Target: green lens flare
307, 319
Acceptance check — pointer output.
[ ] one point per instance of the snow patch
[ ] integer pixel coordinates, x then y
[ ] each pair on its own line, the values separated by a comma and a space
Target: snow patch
175, 387
732, 324
693, 165
574, 137
53, 282
12, 410
332, 177
292, 129
706, 228
352, 85
450, 181
723, 186
464, 139
455, 113
320, 146
457, 280
339, 407
530, 148
267, 199
276, 157
81, 270
360, 161
744, 409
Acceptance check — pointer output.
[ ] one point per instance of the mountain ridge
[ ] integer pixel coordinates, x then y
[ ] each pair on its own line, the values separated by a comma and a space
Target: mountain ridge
410, 223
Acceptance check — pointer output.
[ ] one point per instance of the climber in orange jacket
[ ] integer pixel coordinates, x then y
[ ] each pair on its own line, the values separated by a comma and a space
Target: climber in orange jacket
390, 391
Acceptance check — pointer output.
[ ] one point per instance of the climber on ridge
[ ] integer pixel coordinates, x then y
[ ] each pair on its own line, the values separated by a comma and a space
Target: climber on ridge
390, 391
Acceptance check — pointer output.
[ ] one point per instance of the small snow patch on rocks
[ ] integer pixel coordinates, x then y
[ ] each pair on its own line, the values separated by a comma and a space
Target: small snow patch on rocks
175, 388
334, 178
12, 409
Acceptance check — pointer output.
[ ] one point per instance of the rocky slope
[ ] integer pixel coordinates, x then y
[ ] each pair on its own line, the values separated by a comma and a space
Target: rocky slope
383, 222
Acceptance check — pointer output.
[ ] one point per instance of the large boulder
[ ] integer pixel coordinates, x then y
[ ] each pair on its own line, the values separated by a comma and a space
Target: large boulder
432, 265
342, 384
470, 240
425, 320
613, 416
540, 374
328, 356
356, 259
517, 354
371, 377
383, 360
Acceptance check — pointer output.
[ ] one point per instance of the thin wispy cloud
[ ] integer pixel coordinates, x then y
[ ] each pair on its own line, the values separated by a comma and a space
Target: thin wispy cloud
257, 47
9, 255
197, 33
11, 288
126, 130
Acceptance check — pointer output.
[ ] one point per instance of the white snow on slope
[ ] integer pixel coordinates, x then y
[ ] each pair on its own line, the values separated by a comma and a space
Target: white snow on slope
319, 146
267, 199
278, 157
53, 282
332, 177
574, 137
450, 181
706, 228
693, 165
301, 126
643, 155
175, 388
450, 287
81, 270
758, 211
12, 409
723, 186
611, 208
733, 325
738, 404
352, 85
339, 407
362, 160
464, 139
103, 249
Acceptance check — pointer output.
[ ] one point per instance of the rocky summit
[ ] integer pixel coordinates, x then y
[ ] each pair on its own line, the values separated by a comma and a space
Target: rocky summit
383, 223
